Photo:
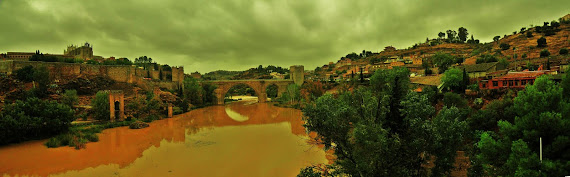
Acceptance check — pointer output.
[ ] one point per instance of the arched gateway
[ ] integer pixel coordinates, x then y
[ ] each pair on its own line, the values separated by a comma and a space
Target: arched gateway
258, 85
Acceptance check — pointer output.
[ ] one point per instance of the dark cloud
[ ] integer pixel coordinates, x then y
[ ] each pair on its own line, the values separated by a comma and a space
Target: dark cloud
205, 35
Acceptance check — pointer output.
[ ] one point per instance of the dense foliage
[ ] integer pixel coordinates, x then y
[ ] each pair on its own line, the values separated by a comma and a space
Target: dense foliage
443, 61
101, 106
386, 130
514, 149
69, 98
33, 119
196, 94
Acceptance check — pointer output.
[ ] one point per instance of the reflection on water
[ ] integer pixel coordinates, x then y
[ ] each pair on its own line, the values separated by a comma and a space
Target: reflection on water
235, 116
232, 140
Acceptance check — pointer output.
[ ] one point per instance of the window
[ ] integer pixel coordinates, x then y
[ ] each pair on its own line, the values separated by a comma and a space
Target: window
504, 83
511, 83
495, 83
517, 83
523, 82
484, 85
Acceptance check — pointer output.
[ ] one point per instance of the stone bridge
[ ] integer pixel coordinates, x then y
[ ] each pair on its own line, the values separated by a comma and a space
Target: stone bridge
259, 85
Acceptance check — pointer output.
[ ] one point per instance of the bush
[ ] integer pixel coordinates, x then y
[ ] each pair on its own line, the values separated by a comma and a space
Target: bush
505, 46
563, 51
33, 119
92, 137
25, 74
453, 99
150, 118
101, 106
486, 58
544, 53
70, 98
541, 42
529, 34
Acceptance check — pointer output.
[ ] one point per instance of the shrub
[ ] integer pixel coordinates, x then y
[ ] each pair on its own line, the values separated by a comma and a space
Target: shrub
101, 106
544, 53
91, 137
33, 119
541, 42
504, 46
150, 118
453, 99
563, 51
529, 34
70, 98
25, 74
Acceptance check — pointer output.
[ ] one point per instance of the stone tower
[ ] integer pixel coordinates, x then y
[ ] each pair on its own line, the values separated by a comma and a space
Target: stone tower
297, 73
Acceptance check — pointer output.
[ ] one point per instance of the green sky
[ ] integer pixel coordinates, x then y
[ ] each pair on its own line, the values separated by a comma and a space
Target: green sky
206, 35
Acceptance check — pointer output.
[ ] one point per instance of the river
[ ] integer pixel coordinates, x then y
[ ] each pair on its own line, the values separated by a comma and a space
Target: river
237, 139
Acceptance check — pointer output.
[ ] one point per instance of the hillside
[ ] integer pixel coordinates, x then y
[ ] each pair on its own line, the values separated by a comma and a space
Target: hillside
556, 34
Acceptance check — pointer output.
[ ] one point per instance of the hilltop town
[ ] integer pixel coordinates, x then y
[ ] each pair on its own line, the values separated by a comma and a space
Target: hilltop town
520, 51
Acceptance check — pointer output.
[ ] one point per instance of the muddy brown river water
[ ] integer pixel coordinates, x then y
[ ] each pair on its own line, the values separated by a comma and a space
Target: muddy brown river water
238, 139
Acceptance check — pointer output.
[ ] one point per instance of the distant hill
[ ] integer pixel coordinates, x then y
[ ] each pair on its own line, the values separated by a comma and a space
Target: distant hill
253, 73
556, 33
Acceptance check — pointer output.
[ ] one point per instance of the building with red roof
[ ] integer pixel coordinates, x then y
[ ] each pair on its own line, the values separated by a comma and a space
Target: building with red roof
511, 80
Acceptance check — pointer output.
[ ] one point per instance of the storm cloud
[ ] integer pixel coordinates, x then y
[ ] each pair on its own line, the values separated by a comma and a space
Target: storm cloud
207, 35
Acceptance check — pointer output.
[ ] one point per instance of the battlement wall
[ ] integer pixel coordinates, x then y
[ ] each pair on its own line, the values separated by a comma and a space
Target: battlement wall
127, 74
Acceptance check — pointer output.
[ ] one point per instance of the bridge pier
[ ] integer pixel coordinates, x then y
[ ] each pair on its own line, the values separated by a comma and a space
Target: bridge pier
281, 89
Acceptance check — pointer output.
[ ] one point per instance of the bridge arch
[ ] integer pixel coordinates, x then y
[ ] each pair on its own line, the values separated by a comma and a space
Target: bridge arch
259, 86
223, 89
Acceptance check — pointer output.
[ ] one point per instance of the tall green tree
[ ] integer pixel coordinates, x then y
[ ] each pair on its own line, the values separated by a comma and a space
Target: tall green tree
462, 35
515, 149
192, 91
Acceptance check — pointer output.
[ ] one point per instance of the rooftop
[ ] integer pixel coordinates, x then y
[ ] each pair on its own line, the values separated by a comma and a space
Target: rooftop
525, 74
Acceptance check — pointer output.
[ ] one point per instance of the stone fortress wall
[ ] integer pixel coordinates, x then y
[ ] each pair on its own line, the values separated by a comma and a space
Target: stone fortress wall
126, 74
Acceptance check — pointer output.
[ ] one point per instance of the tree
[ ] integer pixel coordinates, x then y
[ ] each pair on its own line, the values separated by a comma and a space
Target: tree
565, 84
486, 58
441, 35
443, 61
41, 77
451, 36
367, 143
462, 34
544, 53
554, 24
101, 106
192, 92
514, 149
208, 94
496, 38
70, 98
33, 119
454, 100
271, 91
25, 74
453, 80
541, 42
563, 51
505, 46
529, 34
